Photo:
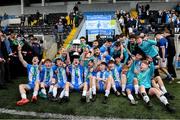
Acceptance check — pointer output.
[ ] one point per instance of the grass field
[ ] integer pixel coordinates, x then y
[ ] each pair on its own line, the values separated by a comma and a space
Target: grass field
117, 107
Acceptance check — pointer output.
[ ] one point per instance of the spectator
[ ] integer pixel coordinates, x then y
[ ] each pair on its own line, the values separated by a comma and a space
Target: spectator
37, 15
147, 7
2, 66
29, 20
71, 16
118, 15
23, 18
159, 16
60, 32
176, 25
76, 19
177, 8
5, 16
121, 21
36, 48
171, 53
76, 8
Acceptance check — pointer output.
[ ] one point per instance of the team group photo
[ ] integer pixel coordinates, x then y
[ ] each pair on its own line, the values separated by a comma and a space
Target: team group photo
89, 59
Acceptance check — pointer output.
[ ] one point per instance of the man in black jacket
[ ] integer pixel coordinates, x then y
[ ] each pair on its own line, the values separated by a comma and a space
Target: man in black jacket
2, 63
171, 53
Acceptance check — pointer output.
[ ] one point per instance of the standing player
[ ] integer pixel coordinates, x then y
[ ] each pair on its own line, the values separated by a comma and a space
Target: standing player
163, 52
33, 76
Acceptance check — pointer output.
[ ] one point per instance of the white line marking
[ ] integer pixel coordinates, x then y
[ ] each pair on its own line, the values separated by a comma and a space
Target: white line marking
50, 115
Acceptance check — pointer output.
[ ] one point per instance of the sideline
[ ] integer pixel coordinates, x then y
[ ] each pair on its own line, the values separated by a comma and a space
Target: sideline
51, 115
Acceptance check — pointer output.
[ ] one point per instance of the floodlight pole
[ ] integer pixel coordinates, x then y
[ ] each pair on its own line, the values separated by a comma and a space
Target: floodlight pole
42, 2
89, 1
22, 7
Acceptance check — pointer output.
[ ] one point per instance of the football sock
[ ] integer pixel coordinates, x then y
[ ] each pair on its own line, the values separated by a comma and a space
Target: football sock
123, 87
163, 99
130, 97
54, 91
136, 87
23, 96
43, 90
35, 93
163, 89
114, 88
107, 92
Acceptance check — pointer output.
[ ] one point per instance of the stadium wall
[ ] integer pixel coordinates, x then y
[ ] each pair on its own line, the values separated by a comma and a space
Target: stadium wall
61, 7
10, 10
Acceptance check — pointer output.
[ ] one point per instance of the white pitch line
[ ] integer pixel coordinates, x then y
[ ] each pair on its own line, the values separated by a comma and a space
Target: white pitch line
51, 115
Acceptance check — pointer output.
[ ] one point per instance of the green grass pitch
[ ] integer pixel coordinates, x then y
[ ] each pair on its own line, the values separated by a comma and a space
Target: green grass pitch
117, 107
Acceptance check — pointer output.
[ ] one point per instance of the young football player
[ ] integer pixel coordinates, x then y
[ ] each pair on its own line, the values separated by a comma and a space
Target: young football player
132, 82
144, 79
90, 78
47, 72
76, 79
115, 73
104, 81
60, 79
33, 77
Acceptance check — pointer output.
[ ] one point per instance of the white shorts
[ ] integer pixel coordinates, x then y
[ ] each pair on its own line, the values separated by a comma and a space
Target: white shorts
163, 64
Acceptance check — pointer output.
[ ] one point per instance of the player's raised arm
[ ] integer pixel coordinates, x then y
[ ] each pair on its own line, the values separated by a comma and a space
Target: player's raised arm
40, 64
21, 57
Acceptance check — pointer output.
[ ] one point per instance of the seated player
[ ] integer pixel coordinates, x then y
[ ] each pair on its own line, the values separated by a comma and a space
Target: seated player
115, 73
60, 78
144, 79
75, 79
104, 81
33, 76
119, 50
157, 82
47, 72
99, 57
90, 78
132, 82
124, 79
85, 57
